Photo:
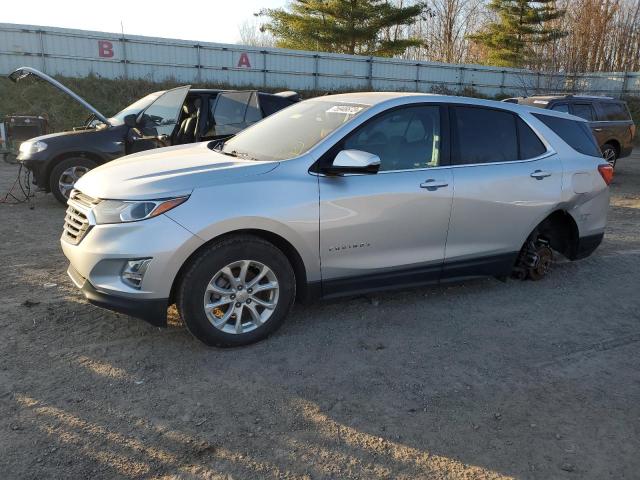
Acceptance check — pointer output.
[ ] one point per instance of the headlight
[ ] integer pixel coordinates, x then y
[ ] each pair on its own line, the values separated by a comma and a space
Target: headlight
118, 211
29, 148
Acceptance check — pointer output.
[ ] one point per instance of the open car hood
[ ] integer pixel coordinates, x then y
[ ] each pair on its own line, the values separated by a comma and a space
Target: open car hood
23, 72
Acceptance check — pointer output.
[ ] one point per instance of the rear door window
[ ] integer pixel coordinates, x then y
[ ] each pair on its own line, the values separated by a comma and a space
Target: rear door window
561, 107
253, 110
272, 103
584, 110
614, 111
530, 144
228, 113
575, 133
483, 135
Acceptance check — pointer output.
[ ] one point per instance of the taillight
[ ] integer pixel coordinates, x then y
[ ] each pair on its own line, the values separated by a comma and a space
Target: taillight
606, 171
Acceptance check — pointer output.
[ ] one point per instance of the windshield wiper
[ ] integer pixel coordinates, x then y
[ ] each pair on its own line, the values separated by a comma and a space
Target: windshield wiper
237, 154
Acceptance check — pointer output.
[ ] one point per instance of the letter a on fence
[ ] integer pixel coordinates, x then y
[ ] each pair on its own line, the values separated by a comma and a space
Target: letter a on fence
244, 60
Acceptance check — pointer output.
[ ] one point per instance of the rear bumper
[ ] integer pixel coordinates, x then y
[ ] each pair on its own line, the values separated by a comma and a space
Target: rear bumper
153, 311
587, 245
626, 151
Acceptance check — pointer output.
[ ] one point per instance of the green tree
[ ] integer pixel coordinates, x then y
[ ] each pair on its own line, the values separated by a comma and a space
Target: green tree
521, 25
361, 27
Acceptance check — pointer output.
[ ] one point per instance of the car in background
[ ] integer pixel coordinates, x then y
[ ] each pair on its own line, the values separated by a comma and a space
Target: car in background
337, 195
172, 117
608, 117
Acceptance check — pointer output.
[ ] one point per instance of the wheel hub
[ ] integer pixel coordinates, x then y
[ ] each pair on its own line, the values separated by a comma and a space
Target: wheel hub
241, 296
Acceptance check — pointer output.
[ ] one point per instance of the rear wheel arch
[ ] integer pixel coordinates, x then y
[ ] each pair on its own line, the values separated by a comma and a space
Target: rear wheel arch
561, 231
615, 144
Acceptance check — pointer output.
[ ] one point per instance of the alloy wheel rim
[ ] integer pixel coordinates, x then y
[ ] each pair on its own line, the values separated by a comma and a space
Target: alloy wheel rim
610, 156
241, 297
69, 178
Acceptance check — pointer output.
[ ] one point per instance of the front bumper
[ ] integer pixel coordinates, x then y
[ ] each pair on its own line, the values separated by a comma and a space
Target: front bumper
37, 165
98, 260
153, 311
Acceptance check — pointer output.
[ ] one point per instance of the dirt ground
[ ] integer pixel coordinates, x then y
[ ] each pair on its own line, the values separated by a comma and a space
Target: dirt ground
481, 380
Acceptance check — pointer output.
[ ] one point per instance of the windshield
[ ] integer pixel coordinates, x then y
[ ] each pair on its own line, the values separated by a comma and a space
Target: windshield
292, 131
135, 108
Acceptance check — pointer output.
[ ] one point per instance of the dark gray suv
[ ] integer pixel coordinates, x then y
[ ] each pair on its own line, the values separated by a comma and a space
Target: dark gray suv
608, 117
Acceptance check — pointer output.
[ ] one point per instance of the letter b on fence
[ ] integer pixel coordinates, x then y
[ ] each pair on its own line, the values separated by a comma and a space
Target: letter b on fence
105, 49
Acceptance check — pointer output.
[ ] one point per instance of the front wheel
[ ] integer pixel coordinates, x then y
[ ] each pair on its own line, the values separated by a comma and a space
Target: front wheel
65, 175
610, 154
236, 292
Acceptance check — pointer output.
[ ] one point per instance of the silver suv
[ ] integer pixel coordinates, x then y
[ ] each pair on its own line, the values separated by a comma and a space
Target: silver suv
334, 196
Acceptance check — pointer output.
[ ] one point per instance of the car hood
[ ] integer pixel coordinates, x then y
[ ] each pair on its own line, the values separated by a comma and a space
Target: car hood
51, 138
167, 172
24, 72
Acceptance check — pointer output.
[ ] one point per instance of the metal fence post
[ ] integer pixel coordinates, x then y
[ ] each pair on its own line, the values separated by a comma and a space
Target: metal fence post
370, 75
199, 64
264, 68
461, 78
625, 83
417, 77
123, 41
316, 61
42, 54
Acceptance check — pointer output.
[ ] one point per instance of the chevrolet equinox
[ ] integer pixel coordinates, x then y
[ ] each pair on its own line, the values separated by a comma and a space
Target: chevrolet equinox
334, 196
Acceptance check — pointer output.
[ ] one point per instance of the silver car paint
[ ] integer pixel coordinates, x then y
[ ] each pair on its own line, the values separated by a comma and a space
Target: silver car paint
484, 209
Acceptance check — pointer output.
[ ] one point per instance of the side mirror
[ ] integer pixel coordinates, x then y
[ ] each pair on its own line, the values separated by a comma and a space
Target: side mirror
354, 161
131, 120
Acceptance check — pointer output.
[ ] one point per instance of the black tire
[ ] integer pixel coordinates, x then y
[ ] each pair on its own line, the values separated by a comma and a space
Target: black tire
57, 174
201, 269
610, 154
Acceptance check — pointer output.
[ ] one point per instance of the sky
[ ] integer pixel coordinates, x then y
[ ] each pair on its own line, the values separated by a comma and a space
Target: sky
206, 21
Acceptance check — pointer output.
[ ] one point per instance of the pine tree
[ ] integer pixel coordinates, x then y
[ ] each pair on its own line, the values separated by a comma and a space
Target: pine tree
520, 26
343, 26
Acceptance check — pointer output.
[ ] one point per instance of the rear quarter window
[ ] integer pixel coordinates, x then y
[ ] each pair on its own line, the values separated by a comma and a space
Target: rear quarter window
576, 134
614, 111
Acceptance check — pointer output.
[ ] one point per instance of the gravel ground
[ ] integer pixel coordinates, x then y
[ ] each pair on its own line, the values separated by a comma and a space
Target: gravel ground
480, 380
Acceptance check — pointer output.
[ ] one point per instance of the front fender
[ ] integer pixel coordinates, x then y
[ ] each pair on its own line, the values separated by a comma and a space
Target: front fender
287, 207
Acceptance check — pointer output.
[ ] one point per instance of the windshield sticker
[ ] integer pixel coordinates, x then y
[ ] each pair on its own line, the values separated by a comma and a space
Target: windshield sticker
541, 102
348, 109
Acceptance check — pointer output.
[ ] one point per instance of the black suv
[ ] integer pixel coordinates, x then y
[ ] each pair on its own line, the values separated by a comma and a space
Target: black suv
171, 117
608, 117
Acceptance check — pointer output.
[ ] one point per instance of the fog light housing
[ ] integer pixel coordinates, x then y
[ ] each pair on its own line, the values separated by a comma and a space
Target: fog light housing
133, 272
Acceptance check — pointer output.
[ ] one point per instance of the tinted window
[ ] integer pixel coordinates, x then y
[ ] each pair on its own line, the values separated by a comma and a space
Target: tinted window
584, 110
404, 139
161, 116
577, 134
253, 112
272, 103
230, 108
613, 111
484, 135
561, 107
530, 145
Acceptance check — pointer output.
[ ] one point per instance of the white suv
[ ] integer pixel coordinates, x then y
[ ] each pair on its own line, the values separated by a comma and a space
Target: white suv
334, 196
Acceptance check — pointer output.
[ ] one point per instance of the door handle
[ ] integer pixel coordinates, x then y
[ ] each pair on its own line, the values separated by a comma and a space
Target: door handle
597, 129
539, 174
432, 185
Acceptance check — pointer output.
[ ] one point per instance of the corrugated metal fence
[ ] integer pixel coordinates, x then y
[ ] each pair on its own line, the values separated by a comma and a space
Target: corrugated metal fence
78, 53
